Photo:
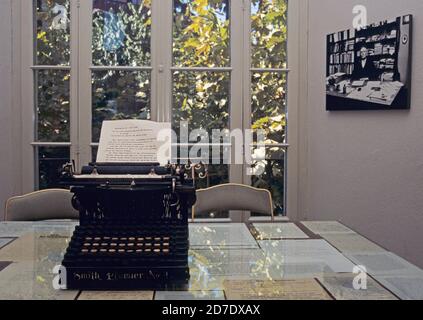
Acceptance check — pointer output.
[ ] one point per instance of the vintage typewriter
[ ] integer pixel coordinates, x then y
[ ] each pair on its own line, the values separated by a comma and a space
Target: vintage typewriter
133, 231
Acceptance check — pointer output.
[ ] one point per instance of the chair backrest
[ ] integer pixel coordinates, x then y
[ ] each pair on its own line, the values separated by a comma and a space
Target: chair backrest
231, 196
41, 205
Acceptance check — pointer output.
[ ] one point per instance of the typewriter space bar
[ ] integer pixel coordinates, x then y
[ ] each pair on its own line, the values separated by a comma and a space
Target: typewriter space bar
119, 176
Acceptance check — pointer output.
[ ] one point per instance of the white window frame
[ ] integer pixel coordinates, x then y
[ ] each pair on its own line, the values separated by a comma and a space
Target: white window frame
161, 80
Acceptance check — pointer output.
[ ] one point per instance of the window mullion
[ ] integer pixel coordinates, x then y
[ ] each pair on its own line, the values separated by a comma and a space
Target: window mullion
155, 58
84, 36
237, 23
162, 59
74, 103
27, 20
246, 75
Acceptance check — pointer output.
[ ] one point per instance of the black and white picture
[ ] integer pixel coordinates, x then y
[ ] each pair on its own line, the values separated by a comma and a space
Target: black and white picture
369, 69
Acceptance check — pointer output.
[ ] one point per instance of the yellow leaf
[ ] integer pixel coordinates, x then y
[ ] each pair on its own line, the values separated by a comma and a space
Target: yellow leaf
41, 35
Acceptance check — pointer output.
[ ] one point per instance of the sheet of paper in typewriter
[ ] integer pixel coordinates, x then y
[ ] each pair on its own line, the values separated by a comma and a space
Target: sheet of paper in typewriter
135, 141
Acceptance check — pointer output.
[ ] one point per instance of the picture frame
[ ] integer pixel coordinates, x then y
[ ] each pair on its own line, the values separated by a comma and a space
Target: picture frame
370, 68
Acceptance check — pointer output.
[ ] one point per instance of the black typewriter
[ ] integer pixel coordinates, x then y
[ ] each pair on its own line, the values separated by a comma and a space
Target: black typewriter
133, 231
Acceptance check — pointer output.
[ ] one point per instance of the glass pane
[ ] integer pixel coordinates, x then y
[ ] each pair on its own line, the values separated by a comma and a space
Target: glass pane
201, 99
50, 161
201, 33
268, 109
215, 163
269, 174
52, 38
217, 174
119, 95
94, 151
53, 103
269, 33
122, 32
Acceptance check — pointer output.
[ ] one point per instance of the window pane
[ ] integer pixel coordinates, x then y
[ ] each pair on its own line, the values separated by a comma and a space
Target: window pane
53, 102
121, 32
217, 174
269, 174
217, 168
50, 161
201, 99
268, 110
201, 33
269, 33
94, 151
52, 38
119, 95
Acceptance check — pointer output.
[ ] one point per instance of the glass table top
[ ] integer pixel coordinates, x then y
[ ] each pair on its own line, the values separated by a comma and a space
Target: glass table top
227, 261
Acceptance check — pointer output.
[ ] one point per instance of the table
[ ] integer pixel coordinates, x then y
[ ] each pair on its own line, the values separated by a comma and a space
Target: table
372, 91
281, 260
373, 95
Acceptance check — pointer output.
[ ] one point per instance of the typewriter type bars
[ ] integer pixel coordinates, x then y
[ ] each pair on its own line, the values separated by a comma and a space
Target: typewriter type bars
133, 231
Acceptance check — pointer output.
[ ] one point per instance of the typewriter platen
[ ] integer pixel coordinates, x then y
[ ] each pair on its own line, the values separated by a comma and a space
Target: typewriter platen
133, 231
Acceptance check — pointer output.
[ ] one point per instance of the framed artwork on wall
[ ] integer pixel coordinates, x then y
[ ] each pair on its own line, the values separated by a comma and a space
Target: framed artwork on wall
370, 68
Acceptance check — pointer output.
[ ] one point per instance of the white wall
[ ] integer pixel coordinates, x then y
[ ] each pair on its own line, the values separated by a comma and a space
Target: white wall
365, 169
6, 112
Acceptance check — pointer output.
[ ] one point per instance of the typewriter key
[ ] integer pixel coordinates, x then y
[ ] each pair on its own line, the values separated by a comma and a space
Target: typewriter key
96, 244
84, 250
148, 244
131, 239
94, 250
165, 250
106, 238
103, 250
122, 244
97, 238
157, 244
140, 239
88, 238
147, 250
124, 239
148, 238
166, 244
130, 251
157, 239
112, 250
130, 244
139, 244
115, 239
166, 239
87, 244
104, 244
121, 250
157, 250
139, 250
113, 244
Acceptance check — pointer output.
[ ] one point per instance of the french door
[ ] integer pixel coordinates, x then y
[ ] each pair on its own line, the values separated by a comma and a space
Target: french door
202, 63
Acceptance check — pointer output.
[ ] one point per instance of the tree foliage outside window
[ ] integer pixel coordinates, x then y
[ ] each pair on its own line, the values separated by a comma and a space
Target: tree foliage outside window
268, 92
52, 32
121, 33
121, 37
52, 88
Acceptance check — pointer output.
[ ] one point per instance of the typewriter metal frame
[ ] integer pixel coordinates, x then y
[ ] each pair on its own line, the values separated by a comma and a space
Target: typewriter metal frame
120, 205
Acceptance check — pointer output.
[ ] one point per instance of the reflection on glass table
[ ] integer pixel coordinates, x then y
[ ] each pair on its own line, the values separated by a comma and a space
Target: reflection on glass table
277, 269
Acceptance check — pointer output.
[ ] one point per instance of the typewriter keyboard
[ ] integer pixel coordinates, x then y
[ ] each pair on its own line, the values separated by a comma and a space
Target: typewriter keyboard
108, 244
